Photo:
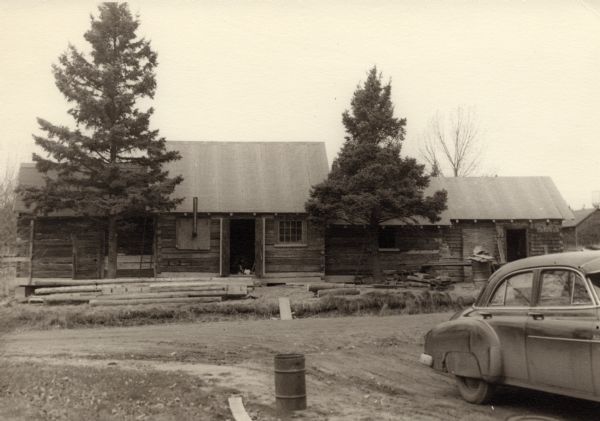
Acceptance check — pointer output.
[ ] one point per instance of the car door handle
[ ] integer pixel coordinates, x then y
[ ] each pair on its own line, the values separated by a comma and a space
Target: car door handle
485, 314
536, 316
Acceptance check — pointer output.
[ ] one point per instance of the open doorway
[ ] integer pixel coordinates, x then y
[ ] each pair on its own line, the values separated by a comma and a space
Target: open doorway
516, 244
241, 246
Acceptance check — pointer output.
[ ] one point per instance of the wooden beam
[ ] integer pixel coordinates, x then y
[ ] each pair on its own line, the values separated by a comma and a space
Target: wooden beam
237, 409
31, 239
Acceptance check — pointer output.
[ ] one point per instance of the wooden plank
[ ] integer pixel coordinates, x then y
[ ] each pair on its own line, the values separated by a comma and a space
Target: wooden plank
237, 409
162, 294
188, 300
57, 290
285, 311
31, 239
14, 259
294, 275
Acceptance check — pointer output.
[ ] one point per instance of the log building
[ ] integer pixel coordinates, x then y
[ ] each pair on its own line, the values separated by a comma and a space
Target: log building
242, 213
583, 231
509, 217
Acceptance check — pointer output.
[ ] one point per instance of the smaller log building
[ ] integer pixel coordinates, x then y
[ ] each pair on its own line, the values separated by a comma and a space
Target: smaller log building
242, 213
583, 231
509, 217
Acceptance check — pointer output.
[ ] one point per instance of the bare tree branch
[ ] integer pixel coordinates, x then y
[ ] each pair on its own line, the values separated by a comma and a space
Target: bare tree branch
454, 143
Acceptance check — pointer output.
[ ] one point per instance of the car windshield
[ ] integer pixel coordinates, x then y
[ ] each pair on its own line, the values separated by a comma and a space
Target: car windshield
595, 278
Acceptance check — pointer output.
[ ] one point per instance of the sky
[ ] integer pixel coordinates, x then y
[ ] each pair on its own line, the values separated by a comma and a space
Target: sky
286, 70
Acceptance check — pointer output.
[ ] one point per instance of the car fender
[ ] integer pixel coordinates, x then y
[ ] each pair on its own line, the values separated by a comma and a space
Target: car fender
466, 347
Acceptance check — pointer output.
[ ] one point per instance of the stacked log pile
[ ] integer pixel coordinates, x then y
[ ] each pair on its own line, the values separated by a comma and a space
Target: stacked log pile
148, 292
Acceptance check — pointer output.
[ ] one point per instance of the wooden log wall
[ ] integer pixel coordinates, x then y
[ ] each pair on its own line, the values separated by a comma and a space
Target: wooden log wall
346, 251
23, 245
172, 259
588, 232
307, 257
74, 248
545, 237
53, 248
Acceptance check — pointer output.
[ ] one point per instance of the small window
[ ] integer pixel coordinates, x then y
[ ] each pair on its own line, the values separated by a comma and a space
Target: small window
562, 288
387, 238
291, 231
514, 291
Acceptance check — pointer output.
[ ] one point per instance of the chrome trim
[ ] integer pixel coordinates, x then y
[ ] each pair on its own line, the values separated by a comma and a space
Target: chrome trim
553, 338
426, 359
591, 291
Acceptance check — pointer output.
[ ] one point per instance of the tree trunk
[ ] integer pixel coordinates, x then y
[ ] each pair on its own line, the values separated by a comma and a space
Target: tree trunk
373, 238
111, 272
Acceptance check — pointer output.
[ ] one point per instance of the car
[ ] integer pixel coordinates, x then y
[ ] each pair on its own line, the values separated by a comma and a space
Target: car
535, 324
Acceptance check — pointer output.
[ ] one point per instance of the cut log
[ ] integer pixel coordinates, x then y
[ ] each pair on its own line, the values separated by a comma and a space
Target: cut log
321, 286
149, 295
337, 291
188, 287
188, 300
58, 290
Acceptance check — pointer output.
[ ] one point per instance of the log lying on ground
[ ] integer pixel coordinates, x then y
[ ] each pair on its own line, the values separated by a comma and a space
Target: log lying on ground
188, 300
323, 286
337, 291
187, 287
76, 282
55, 290
60, 299
150, 295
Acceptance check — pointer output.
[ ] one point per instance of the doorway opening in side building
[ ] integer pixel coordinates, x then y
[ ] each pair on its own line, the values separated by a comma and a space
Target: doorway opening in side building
242, 241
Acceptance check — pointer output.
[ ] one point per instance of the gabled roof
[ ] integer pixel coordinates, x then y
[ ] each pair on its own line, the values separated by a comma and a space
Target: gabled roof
501, 198
580, 216
237, 176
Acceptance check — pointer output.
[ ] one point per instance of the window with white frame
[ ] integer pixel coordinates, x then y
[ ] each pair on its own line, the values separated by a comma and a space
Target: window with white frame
290, 231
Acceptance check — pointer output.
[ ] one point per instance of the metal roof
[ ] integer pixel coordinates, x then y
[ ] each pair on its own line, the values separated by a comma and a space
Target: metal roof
501, 198
237, 177
580, 216
248, 176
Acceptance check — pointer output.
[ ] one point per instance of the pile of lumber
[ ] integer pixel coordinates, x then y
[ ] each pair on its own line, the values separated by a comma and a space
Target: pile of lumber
403, 279
125, 293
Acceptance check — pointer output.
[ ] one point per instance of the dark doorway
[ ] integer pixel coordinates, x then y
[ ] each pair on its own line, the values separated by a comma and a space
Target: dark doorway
241, 246
516, 244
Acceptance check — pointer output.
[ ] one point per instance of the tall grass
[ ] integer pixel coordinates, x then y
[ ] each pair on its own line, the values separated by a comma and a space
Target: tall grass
48, 317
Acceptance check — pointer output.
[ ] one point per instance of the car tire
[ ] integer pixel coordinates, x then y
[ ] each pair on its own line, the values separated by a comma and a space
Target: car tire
474, 390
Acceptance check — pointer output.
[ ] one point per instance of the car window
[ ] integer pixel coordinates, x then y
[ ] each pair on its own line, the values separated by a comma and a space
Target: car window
562, 287
514, 291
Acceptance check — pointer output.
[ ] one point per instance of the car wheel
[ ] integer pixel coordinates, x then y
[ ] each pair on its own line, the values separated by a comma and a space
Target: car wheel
473, 390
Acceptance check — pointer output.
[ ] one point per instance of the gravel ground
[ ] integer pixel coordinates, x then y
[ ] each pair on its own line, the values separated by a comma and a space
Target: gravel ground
358, 368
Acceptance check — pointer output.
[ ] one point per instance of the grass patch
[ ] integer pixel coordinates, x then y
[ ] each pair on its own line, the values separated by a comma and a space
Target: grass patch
375, 302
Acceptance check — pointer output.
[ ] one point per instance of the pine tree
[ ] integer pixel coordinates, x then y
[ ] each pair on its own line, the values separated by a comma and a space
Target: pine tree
370, 182
110, 165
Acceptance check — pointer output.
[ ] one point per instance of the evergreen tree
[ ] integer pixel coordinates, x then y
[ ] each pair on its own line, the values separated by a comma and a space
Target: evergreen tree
370, 182
110, 165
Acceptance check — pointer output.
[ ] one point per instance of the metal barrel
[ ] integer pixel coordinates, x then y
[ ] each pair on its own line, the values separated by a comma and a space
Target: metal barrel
481, 272
290, 382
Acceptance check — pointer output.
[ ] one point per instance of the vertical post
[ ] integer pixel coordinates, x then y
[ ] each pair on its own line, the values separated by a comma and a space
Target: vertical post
225, 247
195, 226
259, 243
74, 261
31, 240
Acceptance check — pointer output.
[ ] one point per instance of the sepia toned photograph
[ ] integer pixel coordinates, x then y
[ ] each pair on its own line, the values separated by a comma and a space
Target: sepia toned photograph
273, 210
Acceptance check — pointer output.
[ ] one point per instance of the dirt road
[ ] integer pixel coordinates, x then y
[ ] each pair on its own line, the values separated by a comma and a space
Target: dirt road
358, 368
